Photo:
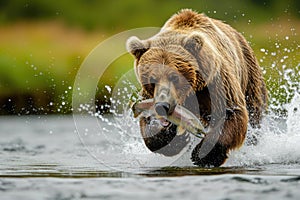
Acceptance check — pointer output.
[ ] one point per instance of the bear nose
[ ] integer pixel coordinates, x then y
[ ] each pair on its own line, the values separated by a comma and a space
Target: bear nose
162, 108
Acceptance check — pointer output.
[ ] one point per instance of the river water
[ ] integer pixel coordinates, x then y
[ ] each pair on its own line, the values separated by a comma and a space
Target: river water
70, 157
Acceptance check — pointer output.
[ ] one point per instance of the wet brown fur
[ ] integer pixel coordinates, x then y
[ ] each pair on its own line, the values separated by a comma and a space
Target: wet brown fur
218, 56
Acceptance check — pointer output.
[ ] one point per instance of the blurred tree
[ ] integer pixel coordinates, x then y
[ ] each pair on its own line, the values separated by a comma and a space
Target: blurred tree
120, 14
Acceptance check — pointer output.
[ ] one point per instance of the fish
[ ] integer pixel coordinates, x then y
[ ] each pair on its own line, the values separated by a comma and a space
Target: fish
182, 117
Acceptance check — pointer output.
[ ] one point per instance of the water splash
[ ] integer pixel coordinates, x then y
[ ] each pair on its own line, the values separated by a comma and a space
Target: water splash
278, 142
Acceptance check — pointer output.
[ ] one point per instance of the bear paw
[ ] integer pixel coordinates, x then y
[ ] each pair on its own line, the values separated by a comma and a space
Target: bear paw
214, 158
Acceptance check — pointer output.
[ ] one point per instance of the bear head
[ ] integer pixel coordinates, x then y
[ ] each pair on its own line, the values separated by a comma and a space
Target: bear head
167, 67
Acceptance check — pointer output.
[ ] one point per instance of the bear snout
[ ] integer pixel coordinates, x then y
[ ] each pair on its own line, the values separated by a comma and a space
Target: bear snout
162, 108
164, 102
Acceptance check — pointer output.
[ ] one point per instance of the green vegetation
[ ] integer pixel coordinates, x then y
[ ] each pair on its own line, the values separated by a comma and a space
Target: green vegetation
43, 43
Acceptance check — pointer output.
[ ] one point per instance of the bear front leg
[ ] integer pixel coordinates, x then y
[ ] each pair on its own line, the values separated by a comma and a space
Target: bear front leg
213, 150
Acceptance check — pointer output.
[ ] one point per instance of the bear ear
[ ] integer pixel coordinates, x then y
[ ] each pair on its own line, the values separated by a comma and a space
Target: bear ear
193, 43
136, 47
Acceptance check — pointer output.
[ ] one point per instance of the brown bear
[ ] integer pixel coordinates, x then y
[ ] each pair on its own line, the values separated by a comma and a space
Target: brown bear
209, 68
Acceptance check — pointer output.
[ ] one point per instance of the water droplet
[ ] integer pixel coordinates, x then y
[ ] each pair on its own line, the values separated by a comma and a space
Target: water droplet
108, 88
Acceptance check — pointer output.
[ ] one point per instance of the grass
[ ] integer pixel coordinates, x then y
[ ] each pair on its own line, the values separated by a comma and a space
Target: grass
41, 59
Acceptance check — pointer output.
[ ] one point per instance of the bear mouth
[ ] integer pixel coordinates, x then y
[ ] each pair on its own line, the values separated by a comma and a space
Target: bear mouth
163, 122
156, 125
159, 122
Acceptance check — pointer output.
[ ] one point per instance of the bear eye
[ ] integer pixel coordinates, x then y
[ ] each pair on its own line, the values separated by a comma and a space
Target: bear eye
174, 79
153, 80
